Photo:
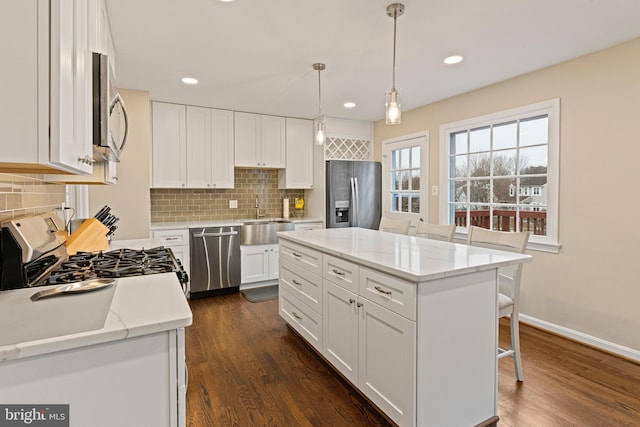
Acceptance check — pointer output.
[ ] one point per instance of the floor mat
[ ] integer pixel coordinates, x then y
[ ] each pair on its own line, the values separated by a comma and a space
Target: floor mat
264, 293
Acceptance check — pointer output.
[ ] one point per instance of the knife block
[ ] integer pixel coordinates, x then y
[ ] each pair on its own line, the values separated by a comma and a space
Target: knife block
90, 236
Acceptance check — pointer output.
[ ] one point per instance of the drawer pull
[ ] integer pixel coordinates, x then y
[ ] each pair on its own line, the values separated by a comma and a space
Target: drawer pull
338, 272
382, 291
171, 238
296, 315
351, 300
296, 255
295, 282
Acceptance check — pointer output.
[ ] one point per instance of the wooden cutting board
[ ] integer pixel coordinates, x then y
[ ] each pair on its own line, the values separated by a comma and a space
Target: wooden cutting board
91, 236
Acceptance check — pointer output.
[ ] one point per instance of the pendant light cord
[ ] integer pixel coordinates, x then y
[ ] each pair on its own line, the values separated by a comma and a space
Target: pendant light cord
319, 95
395, 17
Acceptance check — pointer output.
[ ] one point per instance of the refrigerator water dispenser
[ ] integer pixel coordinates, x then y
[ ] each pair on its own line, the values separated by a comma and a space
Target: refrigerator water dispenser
342, 211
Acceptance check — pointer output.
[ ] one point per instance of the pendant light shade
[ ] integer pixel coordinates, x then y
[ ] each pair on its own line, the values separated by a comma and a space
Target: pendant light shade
319, 123
393, 113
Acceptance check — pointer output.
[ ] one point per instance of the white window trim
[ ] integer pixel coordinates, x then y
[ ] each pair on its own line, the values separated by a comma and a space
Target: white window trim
548, 243
424, 180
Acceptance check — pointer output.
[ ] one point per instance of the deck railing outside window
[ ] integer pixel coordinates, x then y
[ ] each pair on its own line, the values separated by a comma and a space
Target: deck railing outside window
505, 220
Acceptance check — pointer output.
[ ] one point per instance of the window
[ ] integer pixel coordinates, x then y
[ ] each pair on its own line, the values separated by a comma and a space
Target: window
501, 172
404, 171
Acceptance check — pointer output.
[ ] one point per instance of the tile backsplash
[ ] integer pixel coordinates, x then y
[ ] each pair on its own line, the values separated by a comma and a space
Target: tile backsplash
174, 205
28, 194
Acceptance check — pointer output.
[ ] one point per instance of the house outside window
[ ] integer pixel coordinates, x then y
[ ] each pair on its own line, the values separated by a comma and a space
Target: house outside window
500, 172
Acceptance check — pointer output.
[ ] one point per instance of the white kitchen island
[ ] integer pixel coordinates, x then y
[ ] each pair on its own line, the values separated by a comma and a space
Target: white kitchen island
116, 356
410, 322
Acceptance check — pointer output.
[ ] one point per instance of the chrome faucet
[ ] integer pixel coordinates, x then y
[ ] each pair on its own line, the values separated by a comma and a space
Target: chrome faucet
258, 215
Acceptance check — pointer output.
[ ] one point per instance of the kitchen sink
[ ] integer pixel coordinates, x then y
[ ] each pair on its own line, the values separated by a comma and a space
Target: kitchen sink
263, 232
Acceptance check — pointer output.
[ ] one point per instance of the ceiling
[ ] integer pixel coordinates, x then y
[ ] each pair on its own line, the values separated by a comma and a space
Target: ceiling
257, 55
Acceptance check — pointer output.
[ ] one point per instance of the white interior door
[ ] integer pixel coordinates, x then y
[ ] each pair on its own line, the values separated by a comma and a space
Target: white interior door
405, 177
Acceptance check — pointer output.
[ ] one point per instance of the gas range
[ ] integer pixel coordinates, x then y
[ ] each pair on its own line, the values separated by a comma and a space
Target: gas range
32, 253
117, 263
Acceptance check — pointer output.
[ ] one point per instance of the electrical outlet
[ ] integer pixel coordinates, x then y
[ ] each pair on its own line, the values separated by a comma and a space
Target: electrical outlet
434, 190
233, 204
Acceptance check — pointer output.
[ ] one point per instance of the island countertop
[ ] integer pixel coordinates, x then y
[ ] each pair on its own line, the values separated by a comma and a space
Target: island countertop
134, 306
412, 258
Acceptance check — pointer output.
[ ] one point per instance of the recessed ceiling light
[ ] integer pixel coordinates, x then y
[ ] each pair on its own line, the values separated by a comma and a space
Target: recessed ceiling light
453, 59
349, 104
226, 1
189, 81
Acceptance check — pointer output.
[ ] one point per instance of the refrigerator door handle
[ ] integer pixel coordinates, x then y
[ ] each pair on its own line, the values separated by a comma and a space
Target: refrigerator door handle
357, 200
352, 202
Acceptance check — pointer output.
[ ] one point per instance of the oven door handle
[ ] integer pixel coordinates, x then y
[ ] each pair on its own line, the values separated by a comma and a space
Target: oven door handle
224, 233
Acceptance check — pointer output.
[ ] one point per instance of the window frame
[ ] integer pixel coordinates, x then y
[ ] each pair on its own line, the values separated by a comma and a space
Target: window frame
551, 108
396, 143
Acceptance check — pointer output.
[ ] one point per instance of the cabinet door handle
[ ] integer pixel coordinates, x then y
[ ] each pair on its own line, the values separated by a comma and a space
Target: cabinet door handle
295, 282
338, 272
382, 291
351, 300
296, 315
359, 304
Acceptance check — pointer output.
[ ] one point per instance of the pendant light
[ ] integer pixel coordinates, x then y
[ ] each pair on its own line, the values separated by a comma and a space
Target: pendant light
393, 113
320, 122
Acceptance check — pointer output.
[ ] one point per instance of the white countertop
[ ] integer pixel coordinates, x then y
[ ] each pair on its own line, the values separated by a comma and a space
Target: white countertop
222, 223
412, 258
138, 306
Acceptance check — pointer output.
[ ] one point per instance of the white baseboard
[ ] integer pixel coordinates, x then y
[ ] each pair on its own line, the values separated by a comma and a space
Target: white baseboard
592, 341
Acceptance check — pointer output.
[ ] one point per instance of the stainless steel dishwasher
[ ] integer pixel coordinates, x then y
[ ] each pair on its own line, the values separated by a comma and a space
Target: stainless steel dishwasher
215, 260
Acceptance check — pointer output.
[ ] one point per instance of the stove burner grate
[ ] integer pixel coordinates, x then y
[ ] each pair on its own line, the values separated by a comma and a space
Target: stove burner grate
117, 263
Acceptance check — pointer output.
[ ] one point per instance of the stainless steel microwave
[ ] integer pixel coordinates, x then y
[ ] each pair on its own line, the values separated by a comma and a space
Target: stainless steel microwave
110, 120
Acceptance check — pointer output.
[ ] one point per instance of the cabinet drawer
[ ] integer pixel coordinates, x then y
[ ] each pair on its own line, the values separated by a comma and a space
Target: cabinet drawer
303, 256
172, 237
305, 285
340, 272
303, 319
390, 292
308, 226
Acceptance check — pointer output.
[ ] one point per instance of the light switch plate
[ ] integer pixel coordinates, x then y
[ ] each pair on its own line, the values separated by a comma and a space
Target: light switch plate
233, 204
434, 190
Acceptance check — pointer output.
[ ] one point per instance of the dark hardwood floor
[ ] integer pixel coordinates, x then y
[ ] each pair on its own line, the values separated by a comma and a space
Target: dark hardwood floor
246, 368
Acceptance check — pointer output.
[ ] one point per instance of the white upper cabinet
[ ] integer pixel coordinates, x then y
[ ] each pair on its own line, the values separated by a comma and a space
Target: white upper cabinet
298, 172
169, 148
259, 141
209, 148
222, 172
98, 40
192, 147
46, 87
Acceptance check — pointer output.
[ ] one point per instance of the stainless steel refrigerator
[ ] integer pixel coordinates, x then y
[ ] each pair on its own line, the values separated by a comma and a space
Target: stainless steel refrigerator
353, 194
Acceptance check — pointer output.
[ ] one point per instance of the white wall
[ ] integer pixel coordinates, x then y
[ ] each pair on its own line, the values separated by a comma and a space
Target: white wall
129, 198
592, 286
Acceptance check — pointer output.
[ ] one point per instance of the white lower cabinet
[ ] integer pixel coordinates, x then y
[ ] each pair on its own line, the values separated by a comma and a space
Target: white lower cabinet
137, 381
258, 263
373, 348
329, 302
306, 321
178, 241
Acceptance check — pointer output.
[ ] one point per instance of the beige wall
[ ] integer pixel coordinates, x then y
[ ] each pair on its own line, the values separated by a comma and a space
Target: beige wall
592, 285
129, 198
